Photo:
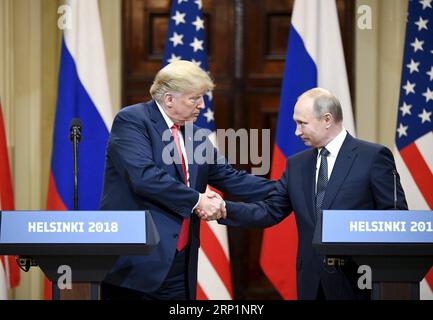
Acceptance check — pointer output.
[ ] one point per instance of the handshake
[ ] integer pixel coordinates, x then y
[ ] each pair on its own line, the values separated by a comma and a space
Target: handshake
211, 206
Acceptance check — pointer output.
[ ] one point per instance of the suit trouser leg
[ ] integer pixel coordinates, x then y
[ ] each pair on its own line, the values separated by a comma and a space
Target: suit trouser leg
173, 288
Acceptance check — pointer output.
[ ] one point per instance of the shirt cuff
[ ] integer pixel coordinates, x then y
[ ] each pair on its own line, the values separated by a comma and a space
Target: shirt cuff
199, 197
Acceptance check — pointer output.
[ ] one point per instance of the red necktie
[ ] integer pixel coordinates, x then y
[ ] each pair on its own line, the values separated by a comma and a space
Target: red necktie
184, 230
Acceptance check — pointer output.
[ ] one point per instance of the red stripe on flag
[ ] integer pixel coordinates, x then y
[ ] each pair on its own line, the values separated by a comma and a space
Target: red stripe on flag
280, 244
7, 199
47, 289
420, 171
215, 253
6, 193
278, 256
278, 163
429, 278
14, 272
54, 202
200, 293
423, 178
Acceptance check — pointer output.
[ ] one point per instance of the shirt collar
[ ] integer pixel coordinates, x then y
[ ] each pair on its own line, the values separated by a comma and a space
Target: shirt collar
168, 121
335, 144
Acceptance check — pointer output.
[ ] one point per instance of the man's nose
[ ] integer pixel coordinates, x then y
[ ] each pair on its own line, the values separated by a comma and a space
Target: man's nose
200, 104
297, 131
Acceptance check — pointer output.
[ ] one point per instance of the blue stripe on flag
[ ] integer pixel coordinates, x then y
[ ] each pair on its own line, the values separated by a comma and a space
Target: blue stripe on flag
74, 101
300, 74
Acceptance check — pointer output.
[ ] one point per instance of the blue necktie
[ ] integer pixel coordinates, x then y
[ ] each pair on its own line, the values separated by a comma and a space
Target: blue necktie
322, 179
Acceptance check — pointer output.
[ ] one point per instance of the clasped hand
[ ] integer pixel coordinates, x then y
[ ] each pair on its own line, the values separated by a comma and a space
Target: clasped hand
211, 206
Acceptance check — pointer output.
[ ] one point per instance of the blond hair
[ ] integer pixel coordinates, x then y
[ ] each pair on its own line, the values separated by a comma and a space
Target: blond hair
180, 76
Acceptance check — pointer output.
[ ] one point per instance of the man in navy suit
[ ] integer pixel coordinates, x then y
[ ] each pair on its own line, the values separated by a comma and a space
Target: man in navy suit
151, 164
338, 172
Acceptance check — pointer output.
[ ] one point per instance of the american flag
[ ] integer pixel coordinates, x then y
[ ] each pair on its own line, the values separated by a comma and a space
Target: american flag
414, 136
186, 41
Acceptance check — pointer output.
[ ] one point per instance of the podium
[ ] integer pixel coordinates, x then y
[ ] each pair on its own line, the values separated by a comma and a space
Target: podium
397, 246
86, 244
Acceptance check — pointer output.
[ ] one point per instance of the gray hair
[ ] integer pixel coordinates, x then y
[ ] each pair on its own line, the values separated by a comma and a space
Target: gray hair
180, 76
324, 102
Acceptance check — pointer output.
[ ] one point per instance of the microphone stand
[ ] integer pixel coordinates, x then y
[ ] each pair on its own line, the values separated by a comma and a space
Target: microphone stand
394, 173
75, 137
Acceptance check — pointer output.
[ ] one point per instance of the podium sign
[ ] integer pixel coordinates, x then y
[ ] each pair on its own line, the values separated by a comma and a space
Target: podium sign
397, 246
88, 242
377, 226
32, 227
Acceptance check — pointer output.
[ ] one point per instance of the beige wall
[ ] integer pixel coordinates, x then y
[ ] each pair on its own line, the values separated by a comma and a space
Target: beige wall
378, 61
111, 19
29, 62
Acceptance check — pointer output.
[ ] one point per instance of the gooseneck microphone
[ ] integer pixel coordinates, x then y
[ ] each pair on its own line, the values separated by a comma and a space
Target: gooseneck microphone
75, 130
75, 137
394, 173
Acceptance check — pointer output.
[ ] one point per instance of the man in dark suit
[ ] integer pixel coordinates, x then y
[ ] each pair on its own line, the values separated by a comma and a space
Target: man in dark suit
151, 164
338, 172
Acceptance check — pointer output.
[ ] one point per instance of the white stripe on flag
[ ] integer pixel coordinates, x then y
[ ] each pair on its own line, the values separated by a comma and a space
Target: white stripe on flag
424, 145
322, 40
220, 232
425, 292
212, 284
414, 198
84, 42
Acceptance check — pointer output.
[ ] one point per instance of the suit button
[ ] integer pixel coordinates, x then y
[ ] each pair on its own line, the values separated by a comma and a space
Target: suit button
175, 235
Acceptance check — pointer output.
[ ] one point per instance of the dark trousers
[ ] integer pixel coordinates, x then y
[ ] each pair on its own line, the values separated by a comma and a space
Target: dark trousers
173, 288
340, 283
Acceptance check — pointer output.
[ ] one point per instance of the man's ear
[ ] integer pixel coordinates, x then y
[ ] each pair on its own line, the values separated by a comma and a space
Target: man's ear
328, 119
168, 99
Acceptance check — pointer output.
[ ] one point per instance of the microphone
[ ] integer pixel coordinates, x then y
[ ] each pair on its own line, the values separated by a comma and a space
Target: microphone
75, 130
75, 137
394, 173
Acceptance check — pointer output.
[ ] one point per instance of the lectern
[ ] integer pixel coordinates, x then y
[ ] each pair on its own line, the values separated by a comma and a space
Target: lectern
397, 246
84, 243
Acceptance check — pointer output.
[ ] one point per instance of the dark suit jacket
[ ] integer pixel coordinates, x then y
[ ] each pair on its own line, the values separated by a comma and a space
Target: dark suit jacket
136, 178
361, 179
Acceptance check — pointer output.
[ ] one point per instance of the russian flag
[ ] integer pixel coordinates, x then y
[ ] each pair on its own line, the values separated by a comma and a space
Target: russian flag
314, 59
82, 93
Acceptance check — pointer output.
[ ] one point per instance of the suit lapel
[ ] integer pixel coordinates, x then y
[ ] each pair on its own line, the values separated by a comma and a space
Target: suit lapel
166, 136
342, 166
158, 120
190, 146
308, 182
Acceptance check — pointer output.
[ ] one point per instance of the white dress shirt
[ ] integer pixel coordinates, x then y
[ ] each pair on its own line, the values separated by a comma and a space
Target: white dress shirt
170, 123
333, 147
